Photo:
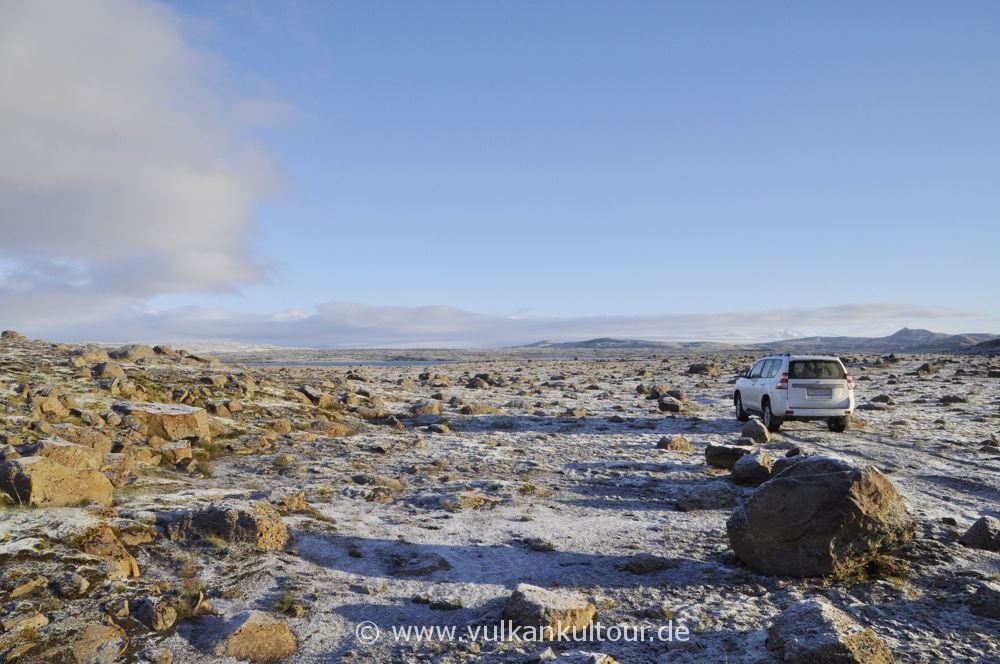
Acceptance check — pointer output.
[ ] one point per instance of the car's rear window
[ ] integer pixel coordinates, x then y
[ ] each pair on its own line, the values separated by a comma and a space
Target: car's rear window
815, 369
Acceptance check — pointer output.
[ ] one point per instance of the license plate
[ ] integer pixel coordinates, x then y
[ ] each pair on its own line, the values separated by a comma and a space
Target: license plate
819, 392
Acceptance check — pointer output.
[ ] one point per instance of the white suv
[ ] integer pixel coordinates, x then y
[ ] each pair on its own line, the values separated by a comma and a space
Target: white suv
796, 387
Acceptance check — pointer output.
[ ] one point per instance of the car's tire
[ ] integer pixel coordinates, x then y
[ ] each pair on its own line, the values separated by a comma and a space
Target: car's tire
837, 424
741, 414
771, 421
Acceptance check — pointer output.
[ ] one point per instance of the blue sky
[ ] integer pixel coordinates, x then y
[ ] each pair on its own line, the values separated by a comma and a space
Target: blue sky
565, 160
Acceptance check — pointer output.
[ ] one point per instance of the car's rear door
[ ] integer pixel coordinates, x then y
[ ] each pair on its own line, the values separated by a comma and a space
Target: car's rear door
820, 383
751, 390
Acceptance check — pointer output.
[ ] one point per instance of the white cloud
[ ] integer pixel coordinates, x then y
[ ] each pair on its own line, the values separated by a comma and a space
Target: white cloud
340, 324
122, 173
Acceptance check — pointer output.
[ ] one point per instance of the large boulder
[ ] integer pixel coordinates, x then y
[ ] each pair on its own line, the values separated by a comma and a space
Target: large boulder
820, 517
257, 637
133, 353
70, 454
814, 631
548, 611
84, 357
41, 482
256, 523
83, 436
109, 369
170, 421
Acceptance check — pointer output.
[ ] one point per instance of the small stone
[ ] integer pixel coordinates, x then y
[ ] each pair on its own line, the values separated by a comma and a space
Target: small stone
756, 430
257, 637
101, 541
724, 456
548, 610
714, 495
752, 469
986, 600
814, 631
155, 613
647, 563
669, 404
675, 444
156, 656
69, 585
99, 644
983, 534
28, 587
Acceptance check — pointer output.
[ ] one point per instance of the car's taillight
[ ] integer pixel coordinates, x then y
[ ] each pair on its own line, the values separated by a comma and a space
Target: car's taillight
850, 381
783, 383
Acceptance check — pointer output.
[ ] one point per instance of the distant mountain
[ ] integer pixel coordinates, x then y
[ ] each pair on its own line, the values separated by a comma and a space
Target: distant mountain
905, 340
991, 346
603, 342
611, 343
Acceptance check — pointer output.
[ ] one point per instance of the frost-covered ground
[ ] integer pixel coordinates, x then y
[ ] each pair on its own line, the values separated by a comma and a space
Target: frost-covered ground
433, 520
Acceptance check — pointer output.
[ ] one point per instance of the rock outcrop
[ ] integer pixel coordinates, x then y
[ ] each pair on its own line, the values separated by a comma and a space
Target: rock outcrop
256, 523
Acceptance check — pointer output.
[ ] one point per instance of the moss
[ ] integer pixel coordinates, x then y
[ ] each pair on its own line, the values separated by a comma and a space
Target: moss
286, 601
205, 468
212, 449
282, 462
881, 568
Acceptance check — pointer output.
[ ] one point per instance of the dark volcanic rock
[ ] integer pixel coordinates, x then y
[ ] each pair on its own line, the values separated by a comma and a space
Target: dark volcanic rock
820, 517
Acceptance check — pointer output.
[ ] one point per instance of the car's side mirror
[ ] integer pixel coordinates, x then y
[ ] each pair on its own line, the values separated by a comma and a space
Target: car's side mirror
745, 374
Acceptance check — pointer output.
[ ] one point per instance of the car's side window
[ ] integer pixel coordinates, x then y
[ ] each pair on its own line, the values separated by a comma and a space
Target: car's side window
757, 369
772, 369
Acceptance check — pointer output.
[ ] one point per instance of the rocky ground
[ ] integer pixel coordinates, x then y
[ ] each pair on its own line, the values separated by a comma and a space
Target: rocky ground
161, 506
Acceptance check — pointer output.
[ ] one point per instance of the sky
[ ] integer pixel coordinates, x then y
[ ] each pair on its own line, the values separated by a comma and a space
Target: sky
490, 173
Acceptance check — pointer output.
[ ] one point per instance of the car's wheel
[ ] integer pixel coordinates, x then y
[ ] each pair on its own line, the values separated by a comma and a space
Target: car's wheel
771, 421
741, 414
837, 424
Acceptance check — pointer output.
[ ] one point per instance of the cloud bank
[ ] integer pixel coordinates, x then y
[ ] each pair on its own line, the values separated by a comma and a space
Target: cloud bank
122, 174
339, 324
